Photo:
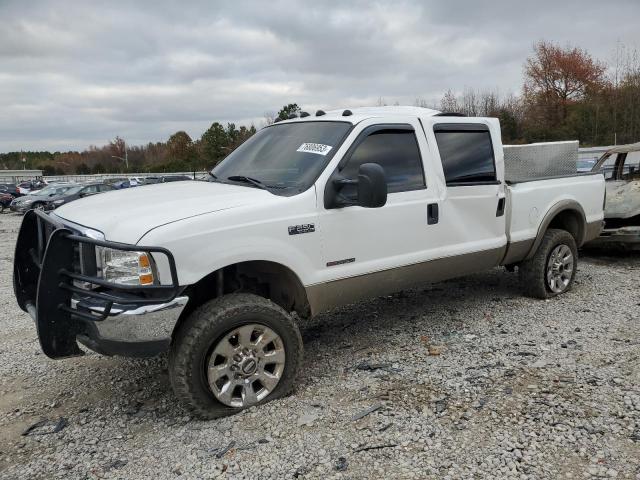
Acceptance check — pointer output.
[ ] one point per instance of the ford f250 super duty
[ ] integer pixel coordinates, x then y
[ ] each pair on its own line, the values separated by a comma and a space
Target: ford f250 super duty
310, 213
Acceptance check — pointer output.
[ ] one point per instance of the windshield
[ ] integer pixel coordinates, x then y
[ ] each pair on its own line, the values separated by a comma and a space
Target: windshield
286, 158
54, 189
72, 190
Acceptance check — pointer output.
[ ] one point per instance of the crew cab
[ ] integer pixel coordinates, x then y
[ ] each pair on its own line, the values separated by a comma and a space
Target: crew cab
311, 213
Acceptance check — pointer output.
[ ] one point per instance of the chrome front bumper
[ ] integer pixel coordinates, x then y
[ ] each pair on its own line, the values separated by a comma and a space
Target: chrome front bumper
129, 331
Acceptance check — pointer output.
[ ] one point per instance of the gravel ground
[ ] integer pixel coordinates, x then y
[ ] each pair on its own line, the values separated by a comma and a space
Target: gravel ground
465, 379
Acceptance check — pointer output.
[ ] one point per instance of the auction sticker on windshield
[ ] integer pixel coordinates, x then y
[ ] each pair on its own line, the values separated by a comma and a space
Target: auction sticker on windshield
317, 148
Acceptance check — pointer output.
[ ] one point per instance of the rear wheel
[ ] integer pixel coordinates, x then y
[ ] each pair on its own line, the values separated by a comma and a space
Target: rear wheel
552, 268
234, 352
38, 206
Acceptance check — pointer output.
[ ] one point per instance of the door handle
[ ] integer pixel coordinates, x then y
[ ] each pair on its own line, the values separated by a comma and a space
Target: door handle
500, 209
432, 214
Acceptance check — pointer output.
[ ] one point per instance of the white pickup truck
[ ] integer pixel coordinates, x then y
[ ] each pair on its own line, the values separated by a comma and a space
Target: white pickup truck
310, 213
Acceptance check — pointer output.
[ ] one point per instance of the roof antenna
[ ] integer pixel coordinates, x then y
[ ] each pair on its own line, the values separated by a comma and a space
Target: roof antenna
320, 113
347, 113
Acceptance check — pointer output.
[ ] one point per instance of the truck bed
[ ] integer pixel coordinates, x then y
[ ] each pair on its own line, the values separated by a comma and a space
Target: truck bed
530, 202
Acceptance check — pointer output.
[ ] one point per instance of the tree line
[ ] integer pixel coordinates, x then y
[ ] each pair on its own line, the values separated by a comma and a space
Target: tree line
179, 153
566, 95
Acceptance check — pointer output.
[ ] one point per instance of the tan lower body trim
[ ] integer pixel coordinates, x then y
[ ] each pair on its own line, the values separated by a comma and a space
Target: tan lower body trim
517, 251
593, 230
325, 296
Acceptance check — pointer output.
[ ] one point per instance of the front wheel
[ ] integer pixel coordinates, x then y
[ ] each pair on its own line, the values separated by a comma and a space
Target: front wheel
234, 352
552, 268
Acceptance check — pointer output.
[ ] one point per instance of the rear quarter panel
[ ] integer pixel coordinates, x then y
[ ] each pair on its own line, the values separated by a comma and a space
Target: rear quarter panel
530, 202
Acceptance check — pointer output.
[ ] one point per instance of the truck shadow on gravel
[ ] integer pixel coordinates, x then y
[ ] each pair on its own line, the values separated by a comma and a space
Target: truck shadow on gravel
431, 312
141, 388
334, 342
610, 256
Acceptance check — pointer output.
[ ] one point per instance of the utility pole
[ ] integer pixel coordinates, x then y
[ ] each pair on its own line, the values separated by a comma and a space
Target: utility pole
126, 156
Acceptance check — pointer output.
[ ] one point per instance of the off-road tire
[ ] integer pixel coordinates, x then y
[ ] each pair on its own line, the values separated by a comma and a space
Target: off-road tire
197, 335
533, 272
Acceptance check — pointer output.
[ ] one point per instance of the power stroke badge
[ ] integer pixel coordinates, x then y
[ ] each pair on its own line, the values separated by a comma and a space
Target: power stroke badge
305, 228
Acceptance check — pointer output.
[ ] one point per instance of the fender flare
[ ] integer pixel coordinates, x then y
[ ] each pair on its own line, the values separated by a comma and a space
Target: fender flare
552, 213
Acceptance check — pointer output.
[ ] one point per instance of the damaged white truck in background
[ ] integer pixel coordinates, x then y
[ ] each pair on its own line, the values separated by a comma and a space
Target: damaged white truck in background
621, 169
311, 213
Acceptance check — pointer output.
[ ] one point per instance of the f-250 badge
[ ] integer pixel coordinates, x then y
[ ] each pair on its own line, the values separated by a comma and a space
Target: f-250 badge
298, 229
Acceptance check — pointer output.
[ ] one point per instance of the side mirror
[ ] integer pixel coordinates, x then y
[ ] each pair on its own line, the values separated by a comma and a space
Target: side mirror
371, 188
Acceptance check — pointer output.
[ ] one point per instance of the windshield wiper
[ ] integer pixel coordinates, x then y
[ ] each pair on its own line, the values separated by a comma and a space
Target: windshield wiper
245, 179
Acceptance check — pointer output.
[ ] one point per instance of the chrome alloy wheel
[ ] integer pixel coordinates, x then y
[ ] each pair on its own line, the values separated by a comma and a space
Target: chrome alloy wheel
246, 365
559, 268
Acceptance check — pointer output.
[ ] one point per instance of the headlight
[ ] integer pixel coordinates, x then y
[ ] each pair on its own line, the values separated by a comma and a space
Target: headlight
127, 268
58, 202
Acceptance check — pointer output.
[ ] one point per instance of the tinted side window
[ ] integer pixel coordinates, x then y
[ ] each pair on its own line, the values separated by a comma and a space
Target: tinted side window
397, 152
467, 156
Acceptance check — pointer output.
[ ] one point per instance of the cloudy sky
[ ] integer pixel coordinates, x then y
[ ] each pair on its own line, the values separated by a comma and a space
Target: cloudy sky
74, 74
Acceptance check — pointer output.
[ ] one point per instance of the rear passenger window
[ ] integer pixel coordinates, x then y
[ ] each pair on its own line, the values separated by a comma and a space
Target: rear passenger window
397, 152
467, 156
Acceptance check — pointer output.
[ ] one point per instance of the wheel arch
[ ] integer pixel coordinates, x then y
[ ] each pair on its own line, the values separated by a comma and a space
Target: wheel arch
272, 280
565, 215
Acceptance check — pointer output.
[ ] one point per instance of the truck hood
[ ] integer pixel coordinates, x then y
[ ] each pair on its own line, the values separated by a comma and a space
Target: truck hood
127, 215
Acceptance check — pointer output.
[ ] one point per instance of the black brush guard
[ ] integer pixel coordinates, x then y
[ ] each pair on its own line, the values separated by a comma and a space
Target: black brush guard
46, 266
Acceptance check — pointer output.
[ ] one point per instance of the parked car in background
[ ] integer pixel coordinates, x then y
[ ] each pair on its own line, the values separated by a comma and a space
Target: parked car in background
585, 165
40, 198
151, 180
76, 192
5, 200
31, 186
174, 178
115, 181
621, 168
10, 188
119, 185
136, 181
